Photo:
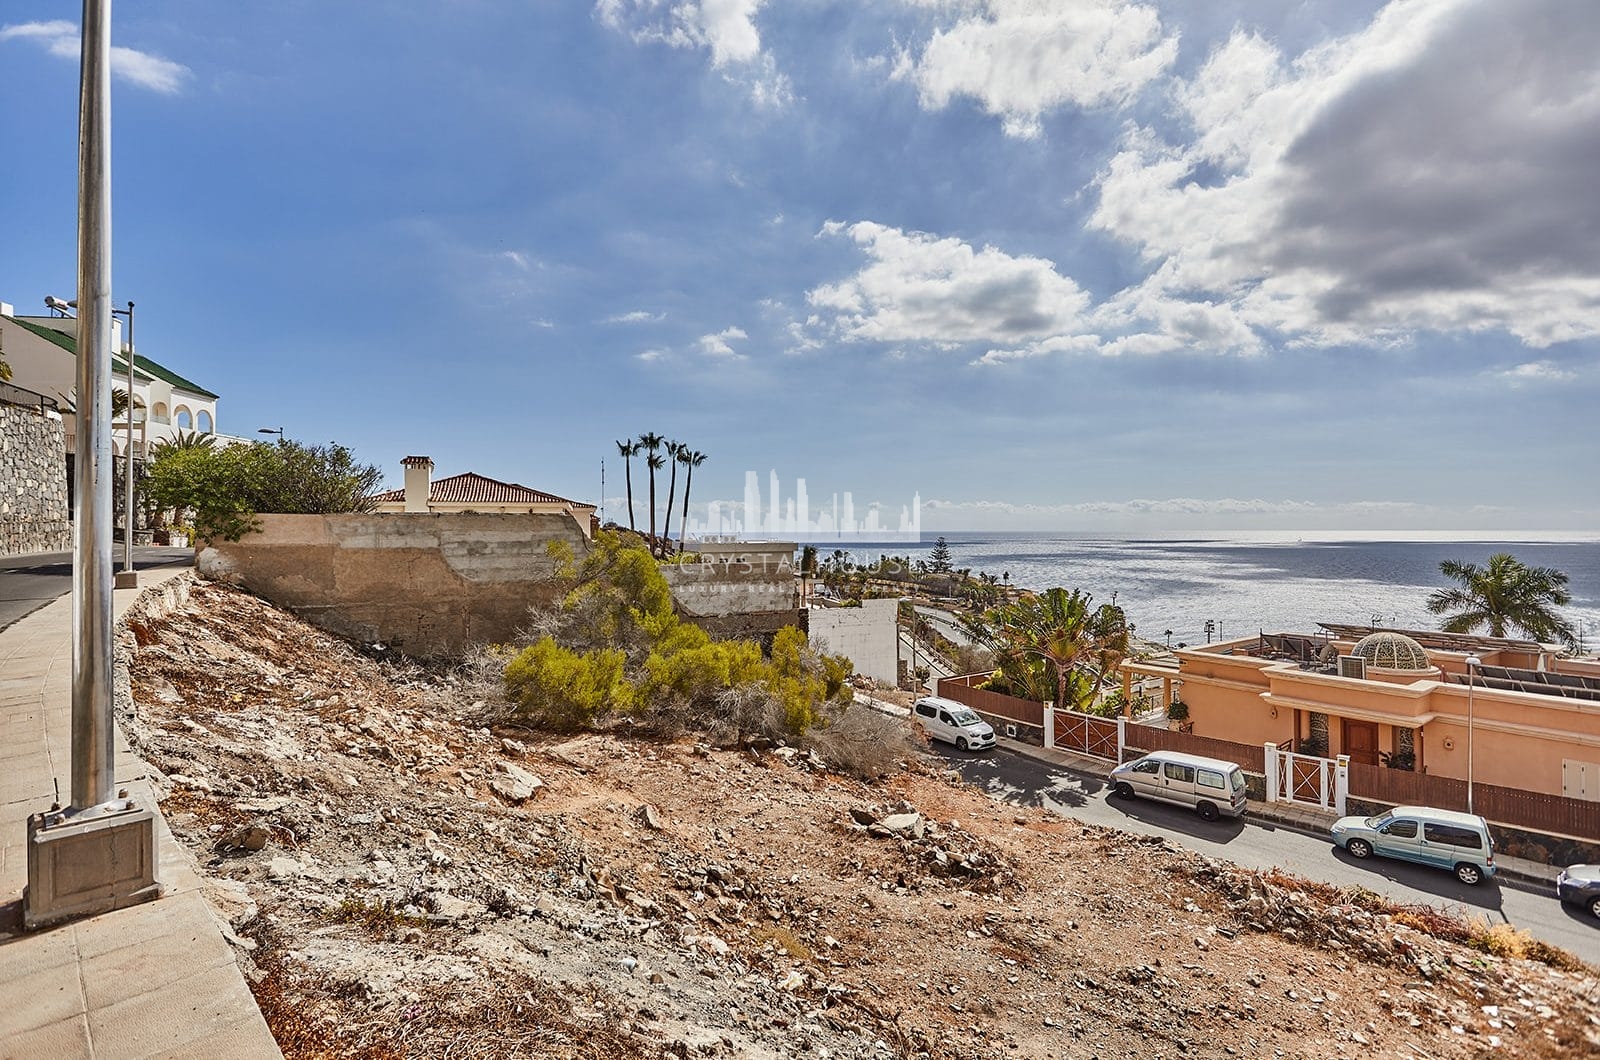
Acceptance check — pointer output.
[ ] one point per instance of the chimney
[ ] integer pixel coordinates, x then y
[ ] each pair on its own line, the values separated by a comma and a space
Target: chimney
418, 471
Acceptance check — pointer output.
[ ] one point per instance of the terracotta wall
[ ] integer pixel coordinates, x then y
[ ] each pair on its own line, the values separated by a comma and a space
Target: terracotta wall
1520, 739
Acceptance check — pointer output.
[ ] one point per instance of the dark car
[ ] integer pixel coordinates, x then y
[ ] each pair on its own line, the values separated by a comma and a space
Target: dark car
1580, 885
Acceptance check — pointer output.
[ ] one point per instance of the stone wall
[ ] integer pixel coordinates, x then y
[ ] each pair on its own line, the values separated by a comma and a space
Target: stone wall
426, 584
34, 516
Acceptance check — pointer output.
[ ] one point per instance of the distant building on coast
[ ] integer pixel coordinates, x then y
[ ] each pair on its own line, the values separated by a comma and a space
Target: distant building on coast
793, 520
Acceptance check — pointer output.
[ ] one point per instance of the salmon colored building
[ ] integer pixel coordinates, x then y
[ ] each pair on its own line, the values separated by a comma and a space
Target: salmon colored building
1399, 696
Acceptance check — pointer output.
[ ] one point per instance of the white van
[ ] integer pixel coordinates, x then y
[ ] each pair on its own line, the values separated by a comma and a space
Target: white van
1213, 787
952, 722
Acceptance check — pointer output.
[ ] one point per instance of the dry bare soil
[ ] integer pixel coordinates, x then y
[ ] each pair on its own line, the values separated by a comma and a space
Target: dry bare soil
405, 880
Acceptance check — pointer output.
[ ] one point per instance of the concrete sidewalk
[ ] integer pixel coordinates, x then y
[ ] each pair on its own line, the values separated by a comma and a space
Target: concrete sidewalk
1307, 819
153, 980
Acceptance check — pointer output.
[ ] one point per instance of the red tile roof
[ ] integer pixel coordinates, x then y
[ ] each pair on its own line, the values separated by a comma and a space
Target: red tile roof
470, 488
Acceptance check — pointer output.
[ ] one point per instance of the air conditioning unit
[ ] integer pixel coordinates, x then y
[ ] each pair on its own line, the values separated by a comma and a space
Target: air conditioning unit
1353, 666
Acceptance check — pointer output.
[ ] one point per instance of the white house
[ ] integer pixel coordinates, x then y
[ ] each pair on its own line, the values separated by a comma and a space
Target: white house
43, 354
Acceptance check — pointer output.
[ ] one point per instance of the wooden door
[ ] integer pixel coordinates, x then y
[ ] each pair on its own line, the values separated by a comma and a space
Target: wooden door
1361, 741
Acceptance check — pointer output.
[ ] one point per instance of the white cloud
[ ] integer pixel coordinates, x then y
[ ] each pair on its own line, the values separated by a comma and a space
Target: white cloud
921, 288
725, 28
718, 345
1368, 188
651, 355
60, 38
1021, 59
47, 31
636, 316
1537, 372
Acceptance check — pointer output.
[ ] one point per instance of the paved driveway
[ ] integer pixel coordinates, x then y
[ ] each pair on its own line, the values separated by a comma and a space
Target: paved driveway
29, 582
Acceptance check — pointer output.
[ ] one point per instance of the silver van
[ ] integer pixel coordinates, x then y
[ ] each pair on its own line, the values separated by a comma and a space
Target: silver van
1446, 839
1213, 787
952, 722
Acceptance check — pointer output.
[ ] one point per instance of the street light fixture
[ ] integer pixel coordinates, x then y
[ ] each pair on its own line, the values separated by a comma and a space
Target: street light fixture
271, 430
1473, 662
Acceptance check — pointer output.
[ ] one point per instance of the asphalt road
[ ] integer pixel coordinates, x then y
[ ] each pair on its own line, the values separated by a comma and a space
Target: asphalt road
1259, 844
947, 623
29, 582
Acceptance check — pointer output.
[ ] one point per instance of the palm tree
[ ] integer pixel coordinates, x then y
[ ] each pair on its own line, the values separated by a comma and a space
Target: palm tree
180, 441
673, 449
1504, 594
690, 460
628, 449
651, 444
1058, 628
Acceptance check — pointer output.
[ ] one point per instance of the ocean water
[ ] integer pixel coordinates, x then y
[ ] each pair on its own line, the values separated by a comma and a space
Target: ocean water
1247, 582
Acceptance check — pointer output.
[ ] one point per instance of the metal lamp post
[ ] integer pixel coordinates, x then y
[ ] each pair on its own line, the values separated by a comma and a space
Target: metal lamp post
271, 430
1473, 662
99, 853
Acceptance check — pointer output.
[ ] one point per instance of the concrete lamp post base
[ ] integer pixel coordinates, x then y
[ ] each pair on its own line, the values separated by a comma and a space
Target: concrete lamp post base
127, 579
90, 861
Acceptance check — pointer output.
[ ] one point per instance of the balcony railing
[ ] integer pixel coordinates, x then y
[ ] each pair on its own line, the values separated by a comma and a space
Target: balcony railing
16, 395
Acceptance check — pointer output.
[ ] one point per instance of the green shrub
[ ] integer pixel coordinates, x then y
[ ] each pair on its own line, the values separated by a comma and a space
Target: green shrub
565, 690
615, 644
226, 486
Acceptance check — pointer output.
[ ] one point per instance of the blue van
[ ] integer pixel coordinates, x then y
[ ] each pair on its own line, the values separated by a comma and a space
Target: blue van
1445, 839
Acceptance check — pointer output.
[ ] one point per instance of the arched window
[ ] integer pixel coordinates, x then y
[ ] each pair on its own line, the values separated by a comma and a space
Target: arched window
205, 422
160, 413
184, 420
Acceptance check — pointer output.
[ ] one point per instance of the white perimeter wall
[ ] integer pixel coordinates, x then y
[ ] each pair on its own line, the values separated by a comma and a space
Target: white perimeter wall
865, 635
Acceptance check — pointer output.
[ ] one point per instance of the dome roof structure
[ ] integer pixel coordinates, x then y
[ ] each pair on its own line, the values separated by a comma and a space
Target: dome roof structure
1392, 651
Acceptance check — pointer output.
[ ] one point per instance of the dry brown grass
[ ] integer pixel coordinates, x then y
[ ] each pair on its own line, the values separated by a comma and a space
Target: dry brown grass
864, 743
782, 936
381, 917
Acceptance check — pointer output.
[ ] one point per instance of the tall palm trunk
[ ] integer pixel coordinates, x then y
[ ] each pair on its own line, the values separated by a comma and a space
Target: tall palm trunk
653, 462
691, 460
674, 449
627, 449
650, 442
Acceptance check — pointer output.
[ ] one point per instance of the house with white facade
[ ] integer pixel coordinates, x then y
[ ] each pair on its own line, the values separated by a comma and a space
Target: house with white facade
43, 354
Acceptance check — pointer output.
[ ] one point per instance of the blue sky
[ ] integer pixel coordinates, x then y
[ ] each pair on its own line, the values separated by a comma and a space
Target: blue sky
1068, 265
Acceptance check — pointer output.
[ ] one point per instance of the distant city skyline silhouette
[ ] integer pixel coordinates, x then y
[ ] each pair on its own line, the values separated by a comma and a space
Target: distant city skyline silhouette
793, 520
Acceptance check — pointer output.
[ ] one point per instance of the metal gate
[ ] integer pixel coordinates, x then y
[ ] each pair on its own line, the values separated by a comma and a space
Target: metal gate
1307, 780
1086, 734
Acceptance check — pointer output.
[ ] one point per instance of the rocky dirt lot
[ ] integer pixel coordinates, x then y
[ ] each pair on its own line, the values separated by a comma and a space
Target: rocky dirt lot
404, 880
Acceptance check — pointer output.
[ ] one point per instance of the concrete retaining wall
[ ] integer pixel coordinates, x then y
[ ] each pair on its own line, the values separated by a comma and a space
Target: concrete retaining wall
865, 635
738, 589
426, 584
33, 482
